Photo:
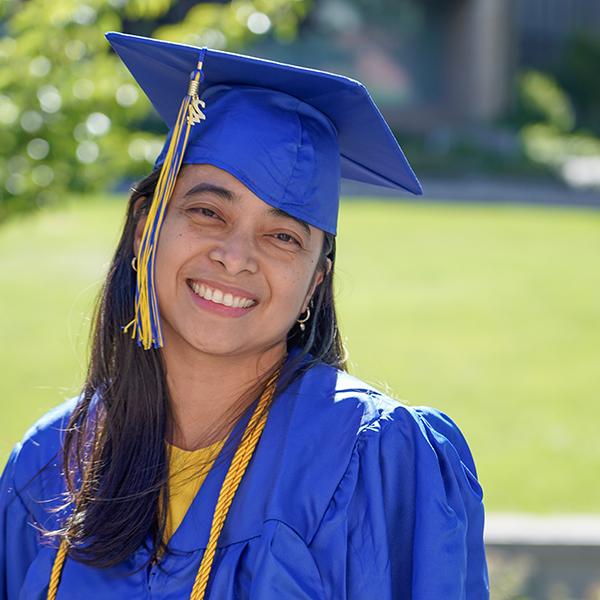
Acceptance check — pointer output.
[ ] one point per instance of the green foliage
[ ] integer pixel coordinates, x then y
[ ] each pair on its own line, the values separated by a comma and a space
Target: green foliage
546, 144
579, 77
548, 131
542, 100
68, 106
238, 23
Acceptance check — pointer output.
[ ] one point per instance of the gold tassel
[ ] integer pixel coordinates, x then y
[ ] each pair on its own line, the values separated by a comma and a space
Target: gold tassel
145, 326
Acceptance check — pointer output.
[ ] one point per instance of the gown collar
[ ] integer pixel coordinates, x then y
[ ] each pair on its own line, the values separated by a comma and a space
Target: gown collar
301, 456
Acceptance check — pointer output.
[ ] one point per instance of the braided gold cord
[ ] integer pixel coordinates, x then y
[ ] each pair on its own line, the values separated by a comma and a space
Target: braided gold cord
232, 480
57, 568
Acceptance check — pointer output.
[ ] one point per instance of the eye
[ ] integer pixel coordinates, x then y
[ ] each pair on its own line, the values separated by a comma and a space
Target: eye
286, 238
203, 211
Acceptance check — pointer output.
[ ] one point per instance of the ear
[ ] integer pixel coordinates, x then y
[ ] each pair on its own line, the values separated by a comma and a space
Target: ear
318, 279
139, 226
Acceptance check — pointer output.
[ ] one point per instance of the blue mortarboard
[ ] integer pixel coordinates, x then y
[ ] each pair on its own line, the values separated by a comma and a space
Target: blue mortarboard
286, 132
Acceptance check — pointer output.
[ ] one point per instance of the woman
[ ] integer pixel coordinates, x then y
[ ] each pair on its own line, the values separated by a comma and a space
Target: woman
227, 454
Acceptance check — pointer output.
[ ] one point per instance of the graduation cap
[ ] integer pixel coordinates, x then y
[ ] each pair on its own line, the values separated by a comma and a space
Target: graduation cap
288, 133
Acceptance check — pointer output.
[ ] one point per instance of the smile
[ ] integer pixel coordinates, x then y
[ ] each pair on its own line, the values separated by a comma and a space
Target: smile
218, 296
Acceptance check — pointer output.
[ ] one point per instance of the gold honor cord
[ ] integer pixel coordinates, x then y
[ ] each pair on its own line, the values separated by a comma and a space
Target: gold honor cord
230, 485
232, 480
57, 568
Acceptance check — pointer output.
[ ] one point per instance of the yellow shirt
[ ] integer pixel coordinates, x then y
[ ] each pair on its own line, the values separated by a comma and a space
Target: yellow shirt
187, 471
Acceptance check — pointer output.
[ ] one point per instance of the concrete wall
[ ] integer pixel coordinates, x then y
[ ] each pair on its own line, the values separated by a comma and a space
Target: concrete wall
543, 557
544, 572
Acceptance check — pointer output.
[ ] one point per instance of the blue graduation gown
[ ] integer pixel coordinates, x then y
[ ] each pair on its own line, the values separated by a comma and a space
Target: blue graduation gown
349, 495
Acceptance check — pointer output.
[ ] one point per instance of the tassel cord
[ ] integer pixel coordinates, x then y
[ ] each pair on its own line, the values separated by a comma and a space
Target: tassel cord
145, 327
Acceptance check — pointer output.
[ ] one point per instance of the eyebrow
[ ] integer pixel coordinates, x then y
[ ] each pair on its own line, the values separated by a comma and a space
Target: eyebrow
281, 213
211, 188
225, 194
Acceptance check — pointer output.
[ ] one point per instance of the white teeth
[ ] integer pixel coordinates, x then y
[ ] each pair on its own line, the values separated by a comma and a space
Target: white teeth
219, 297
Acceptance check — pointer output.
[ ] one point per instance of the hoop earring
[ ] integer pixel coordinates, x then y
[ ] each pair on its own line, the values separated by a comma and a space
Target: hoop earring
303, 320
134, 263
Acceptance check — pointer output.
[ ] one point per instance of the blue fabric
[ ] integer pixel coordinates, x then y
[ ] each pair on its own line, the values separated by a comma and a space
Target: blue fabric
350, 495
286, 131
281, 148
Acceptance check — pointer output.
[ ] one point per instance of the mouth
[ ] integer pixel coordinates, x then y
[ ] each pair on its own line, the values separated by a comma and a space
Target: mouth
220, 296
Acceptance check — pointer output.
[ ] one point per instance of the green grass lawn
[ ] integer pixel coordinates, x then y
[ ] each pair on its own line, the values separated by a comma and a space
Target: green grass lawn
490, 313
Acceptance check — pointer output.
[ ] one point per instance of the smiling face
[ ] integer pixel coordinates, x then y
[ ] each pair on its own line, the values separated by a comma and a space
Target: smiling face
232, 273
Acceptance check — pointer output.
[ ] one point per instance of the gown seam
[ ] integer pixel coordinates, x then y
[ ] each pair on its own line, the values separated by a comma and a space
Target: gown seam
358, 443
468, 466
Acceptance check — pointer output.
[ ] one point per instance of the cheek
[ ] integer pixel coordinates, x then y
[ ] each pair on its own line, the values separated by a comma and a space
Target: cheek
174, 249
292, 285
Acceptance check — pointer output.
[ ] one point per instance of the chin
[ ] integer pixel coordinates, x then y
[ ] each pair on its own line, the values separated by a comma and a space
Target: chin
217, 341
217, 346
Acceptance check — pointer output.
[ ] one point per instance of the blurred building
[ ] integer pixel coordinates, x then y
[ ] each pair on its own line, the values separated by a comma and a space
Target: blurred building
544, 26
432, 62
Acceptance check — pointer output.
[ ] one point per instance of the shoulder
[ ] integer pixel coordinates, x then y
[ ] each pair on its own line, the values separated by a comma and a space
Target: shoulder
36, 461
44, 438
51, 422
333, 393
384, 416
419, 441
355, 427
409, 495
401, 449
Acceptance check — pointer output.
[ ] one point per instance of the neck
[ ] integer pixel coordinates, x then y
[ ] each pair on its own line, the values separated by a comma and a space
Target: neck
207, 392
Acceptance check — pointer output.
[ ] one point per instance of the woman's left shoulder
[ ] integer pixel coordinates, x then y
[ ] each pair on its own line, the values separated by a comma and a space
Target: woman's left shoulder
418, 448
386, 420
410, 496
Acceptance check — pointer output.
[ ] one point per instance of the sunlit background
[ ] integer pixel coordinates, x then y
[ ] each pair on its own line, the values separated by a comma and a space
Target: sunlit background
481, 298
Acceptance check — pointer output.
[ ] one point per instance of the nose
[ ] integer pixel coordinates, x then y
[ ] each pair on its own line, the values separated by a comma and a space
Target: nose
235, 252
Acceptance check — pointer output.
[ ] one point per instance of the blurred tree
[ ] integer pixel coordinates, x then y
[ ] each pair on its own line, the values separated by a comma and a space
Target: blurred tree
578, 74
68, 105
548, 130
541, 99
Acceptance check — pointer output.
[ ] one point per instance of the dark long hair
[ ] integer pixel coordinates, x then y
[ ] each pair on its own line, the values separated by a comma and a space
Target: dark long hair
114, 455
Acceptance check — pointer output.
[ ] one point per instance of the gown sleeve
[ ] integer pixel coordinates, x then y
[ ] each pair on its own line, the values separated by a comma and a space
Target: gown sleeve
406, 520
18, 537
